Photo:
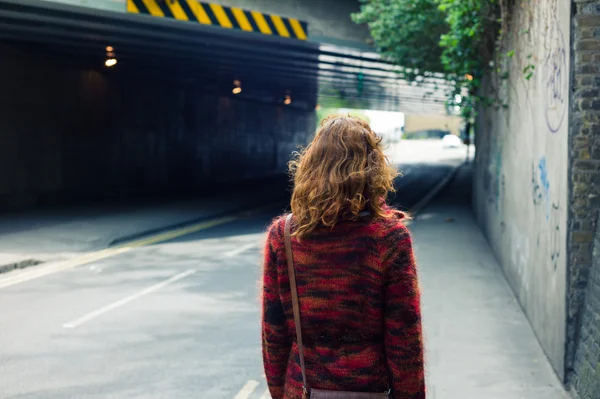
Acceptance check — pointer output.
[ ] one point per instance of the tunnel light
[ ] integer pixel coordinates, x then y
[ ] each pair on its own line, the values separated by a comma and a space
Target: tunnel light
111, 62
288, 100
110, 49
237, 87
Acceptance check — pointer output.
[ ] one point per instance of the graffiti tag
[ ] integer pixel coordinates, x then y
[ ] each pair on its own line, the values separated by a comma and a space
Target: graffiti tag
556, 82
540, 185
545, 184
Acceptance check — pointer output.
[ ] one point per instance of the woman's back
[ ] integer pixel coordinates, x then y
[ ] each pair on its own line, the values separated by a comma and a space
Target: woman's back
355, 271
359, 307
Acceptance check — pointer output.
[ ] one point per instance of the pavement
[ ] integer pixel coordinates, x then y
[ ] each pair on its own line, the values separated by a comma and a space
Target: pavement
479, 344
180, 318
58, 233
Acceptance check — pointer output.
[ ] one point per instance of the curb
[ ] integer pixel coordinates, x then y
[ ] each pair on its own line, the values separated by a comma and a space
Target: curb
149, 232
426, 200
21, 264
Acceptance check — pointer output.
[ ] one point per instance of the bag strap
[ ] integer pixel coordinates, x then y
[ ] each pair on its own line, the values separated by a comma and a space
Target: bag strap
294, 291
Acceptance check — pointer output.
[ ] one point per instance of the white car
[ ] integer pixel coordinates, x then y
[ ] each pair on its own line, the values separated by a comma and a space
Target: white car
451, 141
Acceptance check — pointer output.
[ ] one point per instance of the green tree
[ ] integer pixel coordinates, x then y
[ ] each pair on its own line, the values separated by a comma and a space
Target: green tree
454, 37
407, 31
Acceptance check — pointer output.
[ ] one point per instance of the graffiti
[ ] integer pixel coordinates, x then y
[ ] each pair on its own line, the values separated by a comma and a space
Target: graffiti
555, 241
556, 81
540, 185
545, 184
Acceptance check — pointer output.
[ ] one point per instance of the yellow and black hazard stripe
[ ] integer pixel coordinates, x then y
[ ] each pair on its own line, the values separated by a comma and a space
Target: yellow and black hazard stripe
218, 15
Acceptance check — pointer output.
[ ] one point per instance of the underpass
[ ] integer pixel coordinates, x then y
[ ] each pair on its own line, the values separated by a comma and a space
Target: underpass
143, 148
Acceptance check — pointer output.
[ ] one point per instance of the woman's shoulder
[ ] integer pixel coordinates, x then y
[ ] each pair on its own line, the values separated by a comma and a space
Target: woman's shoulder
392, 226
275, 230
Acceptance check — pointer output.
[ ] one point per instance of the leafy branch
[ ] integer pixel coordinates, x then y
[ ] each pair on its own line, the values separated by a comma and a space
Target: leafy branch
461, 39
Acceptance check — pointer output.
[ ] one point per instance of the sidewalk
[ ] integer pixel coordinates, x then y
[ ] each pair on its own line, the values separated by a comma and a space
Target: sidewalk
479, 344
60, 233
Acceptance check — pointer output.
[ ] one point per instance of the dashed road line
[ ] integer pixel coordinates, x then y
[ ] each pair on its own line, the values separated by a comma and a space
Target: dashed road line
247, 390
239, 250
41, 271
92, 315
266, 395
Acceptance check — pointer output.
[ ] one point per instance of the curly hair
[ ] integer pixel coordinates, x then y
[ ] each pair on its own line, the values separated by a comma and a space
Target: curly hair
341, 173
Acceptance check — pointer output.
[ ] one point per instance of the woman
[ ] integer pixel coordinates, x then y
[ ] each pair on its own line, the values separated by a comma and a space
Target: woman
355, 273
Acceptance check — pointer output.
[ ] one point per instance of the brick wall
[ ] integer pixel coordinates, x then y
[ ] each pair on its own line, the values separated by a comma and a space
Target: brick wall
583, 242
586, 368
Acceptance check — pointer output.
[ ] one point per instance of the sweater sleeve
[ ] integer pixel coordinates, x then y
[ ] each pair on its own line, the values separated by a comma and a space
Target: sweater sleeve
403, 336
276, 343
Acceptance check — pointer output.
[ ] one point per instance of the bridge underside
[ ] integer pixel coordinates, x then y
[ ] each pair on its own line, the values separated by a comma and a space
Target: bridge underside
165, 118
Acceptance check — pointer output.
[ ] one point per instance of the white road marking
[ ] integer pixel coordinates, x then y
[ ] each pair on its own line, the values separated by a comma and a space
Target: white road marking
247, 390
92, 315
96, 269
239, 250
41, 271
266, 395
44, 270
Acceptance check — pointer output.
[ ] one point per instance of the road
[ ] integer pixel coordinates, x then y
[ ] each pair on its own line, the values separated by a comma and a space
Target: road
177, 319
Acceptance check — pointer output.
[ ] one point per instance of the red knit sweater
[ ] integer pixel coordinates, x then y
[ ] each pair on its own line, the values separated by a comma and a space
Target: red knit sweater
359, 307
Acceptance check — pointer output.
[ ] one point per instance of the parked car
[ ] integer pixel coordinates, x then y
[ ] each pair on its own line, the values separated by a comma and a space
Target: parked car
451, 141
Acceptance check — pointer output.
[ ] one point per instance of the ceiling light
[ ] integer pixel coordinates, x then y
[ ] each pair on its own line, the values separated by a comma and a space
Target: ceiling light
111, 62
237, 87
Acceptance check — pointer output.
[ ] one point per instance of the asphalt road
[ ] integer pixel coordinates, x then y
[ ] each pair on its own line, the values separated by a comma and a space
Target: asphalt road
179, 319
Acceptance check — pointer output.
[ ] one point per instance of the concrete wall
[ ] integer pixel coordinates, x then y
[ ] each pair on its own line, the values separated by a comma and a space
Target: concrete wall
109, 5
521, 178
72, 130
583, 328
